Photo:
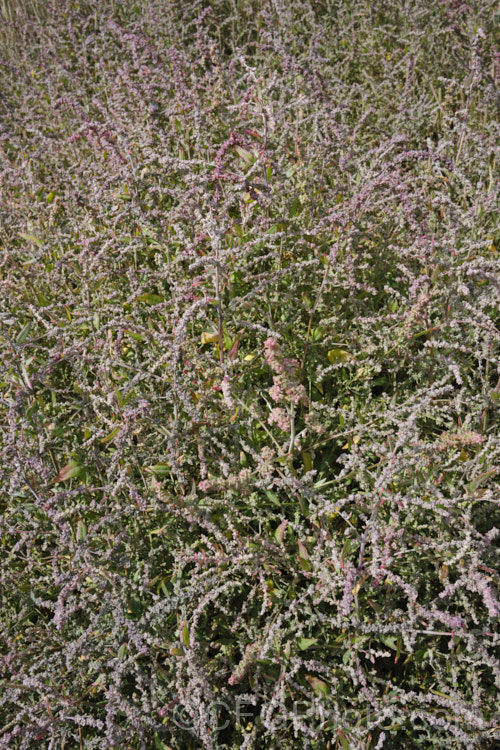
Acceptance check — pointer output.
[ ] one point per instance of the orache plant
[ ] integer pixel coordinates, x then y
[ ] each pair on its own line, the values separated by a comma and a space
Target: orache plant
249, 295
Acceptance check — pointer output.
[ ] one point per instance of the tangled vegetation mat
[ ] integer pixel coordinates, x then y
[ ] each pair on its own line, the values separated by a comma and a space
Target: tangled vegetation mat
250, 374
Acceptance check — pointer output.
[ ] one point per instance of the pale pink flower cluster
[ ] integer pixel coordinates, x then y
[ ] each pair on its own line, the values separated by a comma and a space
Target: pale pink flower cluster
350, 580
313, 421
226, 392
280, 417
206, 485
264, 465
249, 658
414, 312
489, 600
467, 438
285, 382
240, 481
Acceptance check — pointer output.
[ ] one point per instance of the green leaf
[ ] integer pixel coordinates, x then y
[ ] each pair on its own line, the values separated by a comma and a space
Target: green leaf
272, 497
344, 740
304, 643
247, 156
390, 641
31, 238
280, 531
319, 387
304, 564
345, 549
337, 355
208, 337
32, 409
185, 634
472, 486
150, 299
159, 469
317, 334
133, 335
71, 470
111, 435
319, 687
398, 650
81, 531
307, 460
23, 335
159, 745
303, 553
295, 208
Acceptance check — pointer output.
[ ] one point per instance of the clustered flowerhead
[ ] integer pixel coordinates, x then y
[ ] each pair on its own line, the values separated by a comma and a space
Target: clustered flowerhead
248, 658
286, 386
280, 416
189, 531
461, 438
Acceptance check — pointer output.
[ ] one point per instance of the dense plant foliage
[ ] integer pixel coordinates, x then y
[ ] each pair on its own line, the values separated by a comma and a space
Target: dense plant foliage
250, 374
